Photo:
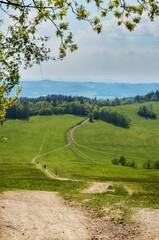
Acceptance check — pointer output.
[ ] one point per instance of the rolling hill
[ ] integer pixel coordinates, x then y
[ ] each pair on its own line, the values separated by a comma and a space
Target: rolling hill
42, 141
87, 89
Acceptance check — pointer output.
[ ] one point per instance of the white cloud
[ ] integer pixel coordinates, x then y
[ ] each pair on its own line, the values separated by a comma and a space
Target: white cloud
104, 63
114, 54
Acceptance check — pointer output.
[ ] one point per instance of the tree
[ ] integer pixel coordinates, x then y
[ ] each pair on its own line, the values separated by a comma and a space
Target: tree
90, 115
21, 45
115, 161
147, 164
96, 114
131, 164
122, 160
156, 164
114, 117
5, 103
147, 112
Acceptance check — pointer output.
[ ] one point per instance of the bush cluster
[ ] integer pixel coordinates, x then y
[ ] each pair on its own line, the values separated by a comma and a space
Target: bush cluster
149, 164
147, 112
113, 117
123, 162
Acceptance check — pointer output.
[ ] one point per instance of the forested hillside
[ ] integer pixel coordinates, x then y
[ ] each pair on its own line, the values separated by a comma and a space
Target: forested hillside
81, 106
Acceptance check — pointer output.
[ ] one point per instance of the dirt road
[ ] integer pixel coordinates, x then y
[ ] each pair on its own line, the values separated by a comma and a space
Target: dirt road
70, 139
39, 215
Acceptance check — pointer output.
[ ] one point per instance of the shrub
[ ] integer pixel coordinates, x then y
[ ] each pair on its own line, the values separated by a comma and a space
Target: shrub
131, 164
115, 161
122, 160
90, 115
147, 112
156, 164
148, 164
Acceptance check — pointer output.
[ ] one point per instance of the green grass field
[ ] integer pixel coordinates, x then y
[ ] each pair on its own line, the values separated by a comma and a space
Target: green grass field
26, 140
89, 159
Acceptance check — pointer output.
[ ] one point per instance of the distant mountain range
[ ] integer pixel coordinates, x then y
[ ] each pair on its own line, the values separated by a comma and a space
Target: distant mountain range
87, 89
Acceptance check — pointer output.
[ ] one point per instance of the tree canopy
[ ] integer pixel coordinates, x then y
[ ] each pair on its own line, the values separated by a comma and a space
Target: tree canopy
21, 44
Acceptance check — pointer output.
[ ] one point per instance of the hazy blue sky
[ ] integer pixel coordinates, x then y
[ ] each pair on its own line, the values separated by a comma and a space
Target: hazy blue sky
115, 54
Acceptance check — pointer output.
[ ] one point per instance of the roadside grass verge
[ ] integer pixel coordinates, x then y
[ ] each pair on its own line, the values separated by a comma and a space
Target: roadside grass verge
28, 177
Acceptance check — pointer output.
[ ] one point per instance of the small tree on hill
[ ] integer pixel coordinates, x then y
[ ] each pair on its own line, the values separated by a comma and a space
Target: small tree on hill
90, 115
147, 112
131, 164
156, 164
147, 164
115, 161
122, 160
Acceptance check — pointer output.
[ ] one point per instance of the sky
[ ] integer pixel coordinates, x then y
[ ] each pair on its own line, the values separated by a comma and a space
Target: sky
114, 55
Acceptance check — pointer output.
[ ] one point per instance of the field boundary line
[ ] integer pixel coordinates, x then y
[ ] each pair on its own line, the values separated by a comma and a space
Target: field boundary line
108, 153
80, 153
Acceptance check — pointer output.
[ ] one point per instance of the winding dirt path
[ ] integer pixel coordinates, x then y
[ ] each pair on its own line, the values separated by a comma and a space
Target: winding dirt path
70, 139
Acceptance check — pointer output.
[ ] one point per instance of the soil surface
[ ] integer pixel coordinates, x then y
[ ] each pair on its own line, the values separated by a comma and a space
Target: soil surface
97, 187
147, 220
70, 138
40, 215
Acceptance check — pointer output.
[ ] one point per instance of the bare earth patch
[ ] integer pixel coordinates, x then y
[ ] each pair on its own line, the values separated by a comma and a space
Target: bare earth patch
40, 215
148, 223
97, 187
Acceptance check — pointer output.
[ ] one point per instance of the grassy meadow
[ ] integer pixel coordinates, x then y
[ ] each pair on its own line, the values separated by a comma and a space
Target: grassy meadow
26, 140
87, 160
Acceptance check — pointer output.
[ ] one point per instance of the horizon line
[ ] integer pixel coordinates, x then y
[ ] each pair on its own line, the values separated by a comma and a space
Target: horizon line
106, 81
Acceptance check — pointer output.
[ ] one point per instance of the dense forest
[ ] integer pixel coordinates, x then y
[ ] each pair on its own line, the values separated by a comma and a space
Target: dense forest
82, 106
